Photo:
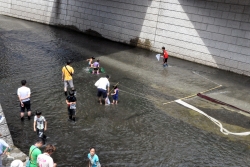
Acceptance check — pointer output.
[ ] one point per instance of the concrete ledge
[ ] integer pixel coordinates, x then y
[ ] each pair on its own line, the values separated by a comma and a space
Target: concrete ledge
14, 153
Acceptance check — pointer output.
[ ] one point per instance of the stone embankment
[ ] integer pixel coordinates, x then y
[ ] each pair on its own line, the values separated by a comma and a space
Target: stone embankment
14, 153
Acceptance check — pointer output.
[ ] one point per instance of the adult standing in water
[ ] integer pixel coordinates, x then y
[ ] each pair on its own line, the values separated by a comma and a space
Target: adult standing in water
102, 85
67, 73
24, 98
165, 57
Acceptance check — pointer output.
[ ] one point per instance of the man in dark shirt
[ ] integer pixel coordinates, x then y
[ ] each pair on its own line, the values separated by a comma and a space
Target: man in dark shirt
71, 102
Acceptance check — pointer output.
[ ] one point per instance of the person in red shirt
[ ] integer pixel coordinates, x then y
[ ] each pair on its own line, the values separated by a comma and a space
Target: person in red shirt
165, 57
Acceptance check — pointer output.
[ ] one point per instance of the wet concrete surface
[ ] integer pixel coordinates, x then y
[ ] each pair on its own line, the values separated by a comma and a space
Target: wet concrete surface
140, 130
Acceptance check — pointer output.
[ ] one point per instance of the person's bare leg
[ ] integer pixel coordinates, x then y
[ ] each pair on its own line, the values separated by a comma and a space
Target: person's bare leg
100, 100
106, 101
65, 90
21, 114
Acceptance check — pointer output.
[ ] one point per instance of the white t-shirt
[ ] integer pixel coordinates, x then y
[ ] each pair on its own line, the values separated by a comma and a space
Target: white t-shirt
44, 160
103, 83
39, 122
23, 92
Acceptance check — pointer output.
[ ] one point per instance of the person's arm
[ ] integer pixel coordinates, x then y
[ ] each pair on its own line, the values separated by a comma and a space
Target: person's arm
114, 92
62, 75
6, 149
45, 125
108, 88
20, 99
89, 164
67, 102
34, 125
108, 91
5, 145
72, 71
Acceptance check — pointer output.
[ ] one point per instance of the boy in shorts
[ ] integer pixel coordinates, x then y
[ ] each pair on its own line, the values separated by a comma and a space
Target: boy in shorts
23, 94
71, 102
165, 57
40, 125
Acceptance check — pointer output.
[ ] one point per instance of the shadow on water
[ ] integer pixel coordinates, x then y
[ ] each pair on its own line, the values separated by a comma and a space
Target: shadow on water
139, 131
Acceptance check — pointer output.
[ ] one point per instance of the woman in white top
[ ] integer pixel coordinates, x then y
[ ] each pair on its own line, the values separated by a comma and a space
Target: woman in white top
16, 163
44, 160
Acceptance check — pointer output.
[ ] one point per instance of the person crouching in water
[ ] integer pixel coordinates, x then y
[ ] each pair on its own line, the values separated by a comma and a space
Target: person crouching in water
90, 61
96, 67
71, 102
40, 125
115, 95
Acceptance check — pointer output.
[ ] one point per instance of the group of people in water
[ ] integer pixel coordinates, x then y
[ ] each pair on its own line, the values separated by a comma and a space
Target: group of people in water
95, 66
36, 158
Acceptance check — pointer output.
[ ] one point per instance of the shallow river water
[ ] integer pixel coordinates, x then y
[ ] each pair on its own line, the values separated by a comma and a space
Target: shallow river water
136, 132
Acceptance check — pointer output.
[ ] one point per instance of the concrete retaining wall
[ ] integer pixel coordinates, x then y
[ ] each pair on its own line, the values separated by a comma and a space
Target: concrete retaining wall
15, 153
211, 32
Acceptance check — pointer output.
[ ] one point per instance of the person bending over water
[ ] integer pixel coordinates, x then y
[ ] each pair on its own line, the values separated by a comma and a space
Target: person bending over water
90, 61
96, 67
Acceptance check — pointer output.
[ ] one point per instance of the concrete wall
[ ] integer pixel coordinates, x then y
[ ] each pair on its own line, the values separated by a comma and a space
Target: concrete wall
15, 153
211, 32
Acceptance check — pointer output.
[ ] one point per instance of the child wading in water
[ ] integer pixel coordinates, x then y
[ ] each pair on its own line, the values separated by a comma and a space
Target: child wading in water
40, 125
115, 95
93, 158
165, 57
90, 61
96, 67
71, 102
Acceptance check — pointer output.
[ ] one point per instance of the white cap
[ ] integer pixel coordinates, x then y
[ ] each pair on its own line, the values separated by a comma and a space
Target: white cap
16, 163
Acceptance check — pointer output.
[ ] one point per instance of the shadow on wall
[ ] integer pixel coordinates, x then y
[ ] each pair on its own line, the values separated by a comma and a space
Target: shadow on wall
219, 35
111, 19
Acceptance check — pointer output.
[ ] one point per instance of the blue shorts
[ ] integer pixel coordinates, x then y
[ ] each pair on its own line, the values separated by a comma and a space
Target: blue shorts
102, 92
